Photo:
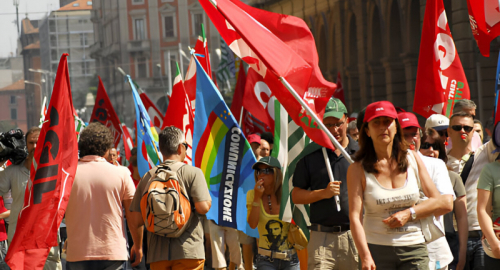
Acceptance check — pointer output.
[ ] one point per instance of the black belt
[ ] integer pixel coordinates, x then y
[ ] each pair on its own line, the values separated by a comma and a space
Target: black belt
330, 229
475, 234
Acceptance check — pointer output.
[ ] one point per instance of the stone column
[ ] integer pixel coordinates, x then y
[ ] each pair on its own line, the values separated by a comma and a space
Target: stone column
410, 62
395, 81
377, 86
352, 90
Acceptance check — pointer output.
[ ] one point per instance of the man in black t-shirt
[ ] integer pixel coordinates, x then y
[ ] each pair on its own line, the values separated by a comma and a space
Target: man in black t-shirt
331, 245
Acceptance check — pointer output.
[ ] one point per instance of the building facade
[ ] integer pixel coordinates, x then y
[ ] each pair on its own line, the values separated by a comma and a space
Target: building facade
145, 38
13, 107
374, 44
30, 44
69, 30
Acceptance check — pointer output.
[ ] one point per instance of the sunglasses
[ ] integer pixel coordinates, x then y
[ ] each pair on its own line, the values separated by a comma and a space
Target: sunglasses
268, 170
460, 127
426, 145
185, 145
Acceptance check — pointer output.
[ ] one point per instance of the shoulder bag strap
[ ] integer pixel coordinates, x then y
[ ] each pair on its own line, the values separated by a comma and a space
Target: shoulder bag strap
467, 168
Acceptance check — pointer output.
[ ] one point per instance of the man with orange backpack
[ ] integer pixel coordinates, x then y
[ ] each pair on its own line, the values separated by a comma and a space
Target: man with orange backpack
171, 200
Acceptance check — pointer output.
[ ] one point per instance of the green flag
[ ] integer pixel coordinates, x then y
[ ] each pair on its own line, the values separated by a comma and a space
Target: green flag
290, 145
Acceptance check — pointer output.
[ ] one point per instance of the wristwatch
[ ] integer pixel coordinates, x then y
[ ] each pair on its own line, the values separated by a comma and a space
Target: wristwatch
413, 213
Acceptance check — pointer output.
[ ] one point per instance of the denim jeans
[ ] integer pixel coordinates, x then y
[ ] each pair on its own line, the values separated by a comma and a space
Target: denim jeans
266, 263
475, 253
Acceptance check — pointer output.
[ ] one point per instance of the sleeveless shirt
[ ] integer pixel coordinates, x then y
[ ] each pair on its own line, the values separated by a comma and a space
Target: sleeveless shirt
381, 202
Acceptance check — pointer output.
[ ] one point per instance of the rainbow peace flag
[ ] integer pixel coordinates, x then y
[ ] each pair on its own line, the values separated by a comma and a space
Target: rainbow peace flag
148, 154
224, 155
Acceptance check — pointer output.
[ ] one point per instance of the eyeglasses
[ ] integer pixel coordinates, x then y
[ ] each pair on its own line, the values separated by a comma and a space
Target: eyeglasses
267, 170
426, 145
460, 127
185, 145
338, 125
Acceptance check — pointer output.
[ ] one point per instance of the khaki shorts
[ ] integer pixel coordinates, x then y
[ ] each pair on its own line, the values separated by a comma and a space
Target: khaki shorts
245, 239
332, 251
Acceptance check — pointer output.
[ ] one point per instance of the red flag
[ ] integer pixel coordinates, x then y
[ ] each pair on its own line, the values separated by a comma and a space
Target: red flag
128, 143
259, 99
252, 125
154, 114
105, 114
271, 57
484, 17
180, 114
339, 92
51, 177
440, 76
239, 91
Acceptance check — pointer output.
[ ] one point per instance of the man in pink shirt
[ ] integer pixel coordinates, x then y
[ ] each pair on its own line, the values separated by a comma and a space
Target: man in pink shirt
94, 217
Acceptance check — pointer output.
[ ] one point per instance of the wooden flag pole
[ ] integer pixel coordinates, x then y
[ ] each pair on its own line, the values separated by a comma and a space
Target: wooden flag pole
316, 118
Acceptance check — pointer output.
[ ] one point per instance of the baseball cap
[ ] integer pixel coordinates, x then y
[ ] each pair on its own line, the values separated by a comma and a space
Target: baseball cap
269, 161
408, 119
335, 108
378, 109
253, 138
437, 122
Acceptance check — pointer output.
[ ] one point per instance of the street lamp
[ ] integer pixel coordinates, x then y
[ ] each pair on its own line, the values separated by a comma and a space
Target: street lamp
28, 82
47, 80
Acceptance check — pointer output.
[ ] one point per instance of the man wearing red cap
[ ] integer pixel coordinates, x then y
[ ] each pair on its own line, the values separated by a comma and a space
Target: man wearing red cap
439, 251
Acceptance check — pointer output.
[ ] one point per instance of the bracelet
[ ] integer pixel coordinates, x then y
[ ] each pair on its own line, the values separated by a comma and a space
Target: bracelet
255, 204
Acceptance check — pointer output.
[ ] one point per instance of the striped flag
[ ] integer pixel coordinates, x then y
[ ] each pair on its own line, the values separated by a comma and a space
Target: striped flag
43, 112
290, 145
227, 68
79, 126
128, 143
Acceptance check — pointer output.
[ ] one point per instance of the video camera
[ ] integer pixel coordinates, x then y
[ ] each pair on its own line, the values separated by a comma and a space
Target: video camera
13, 146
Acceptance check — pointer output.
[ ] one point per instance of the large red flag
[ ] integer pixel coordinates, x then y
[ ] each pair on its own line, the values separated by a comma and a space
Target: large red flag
259, 99
180, 114
271, 57
154, 114
239, 91
484, 17
105, 114
440, 76
51, 177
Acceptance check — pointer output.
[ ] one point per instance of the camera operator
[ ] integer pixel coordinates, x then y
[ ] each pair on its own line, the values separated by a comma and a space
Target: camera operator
15, 178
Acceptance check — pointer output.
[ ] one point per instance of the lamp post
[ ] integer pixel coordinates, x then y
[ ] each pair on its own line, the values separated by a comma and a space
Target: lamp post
40, 88
47, 81
16, 4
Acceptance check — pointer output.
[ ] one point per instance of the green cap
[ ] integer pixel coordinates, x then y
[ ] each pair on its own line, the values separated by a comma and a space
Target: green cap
269, 161
335, 108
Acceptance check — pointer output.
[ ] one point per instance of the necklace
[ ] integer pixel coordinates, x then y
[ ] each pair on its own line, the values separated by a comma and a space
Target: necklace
269, 201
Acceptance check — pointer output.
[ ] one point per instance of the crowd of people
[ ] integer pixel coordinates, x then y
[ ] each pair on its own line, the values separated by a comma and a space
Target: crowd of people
414, 198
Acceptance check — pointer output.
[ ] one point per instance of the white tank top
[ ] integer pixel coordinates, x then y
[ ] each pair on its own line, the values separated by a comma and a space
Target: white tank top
381, 202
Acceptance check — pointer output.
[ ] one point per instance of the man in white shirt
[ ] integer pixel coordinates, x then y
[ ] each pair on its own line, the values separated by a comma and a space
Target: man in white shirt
439, 251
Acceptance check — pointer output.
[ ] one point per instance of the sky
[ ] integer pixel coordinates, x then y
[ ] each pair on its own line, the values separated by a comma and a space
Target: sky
37, 9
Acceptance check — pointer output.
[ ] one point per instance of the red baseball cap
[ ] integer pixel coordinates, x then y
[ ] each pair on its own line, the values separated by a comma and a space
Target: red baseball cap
408, 119
253, 138
378, 109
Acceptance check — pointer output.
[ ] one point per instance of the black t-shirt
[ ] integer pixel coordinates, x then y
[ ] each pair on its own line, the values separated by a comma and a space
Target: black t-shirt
311, 173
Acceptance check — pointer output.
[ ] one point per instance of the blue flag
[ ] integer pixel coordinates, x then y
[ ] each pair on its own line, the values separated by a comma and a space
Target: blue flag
148, 155
224, 155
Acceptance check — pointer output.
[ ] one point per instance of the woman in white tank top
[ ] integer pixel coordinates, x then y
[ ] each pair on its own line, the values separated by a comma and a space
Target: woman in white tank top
384, 183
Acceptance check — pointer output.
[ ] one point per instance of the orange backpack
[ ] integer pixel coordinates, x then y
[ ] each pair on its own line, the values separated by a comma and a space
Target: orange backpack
165, 205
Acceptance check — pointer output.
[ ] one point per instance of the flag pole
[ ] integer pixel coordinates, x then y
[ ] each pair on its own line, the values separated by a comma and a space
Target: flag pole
316, 118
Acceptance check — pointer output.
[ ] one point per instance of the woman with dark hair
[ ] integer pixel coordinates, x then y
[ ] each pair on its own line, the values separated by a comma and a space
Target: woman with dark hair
384, 181
432, 145
263, 207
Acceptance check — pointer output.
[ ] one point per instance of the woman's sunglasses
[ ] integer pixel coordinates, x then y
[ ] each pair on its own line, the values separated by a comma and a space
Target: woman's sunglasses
427, 145
268, 170
459, 128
